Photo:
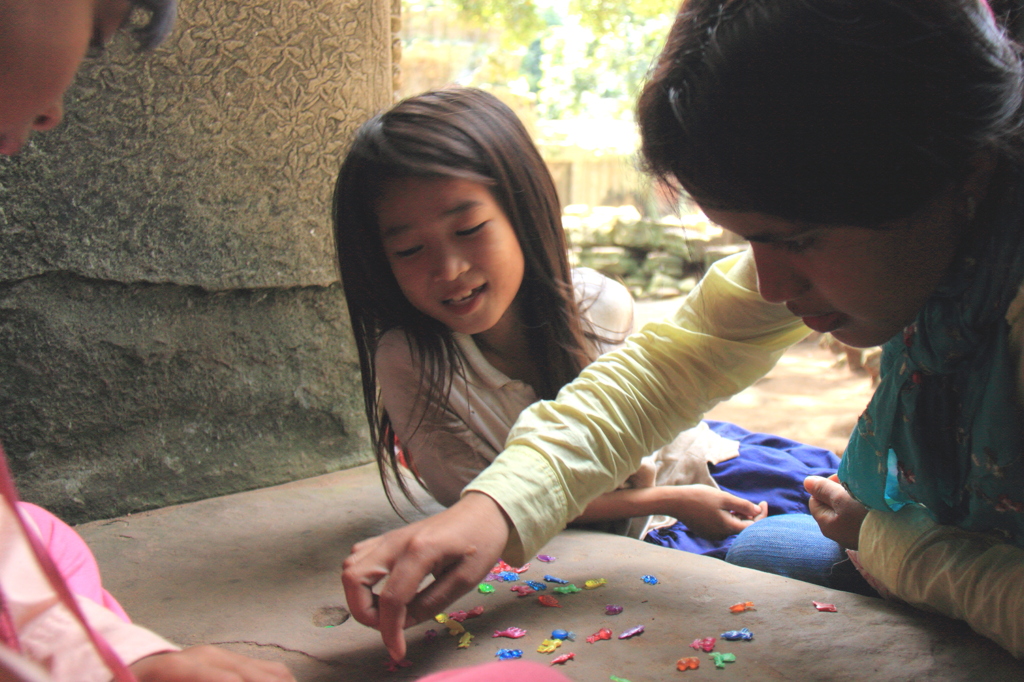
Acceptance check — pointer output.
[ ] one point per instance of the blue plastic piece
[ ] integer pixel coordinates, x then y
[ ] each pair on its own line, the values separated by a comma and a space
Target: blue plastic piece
509, 576
733, 635
508, 654
536, 585
650, 580
553, 579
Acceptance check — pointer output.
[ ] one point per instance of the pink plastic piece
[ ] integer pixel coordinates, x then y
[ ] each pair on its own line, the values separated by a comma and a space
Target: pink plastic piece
603, 633
560, 660
475, 611
822, 606
459, 615
511, 633
429, 636
707, 644
546, 558
523, 590
632, 632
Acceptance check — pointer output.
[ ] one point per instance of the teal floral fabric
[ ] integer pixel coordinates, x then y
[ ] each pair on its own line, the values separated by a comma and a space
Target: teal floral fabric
942, 429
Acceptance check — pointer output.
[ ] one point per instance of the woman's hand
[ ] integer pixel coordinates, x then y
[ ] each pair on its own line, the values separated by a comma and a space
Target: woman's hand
458, 546
838, 515
208, 664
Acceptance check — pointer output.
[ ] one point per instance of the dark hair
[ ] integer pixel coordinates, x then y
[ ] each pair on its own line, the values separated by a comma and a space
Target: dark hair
453, 133
835, 111
162, 14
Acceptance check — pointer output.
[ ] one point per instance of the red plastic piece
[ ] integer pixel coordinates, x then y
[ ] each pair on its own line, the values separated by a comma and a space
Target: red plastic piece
822, 606
560, 660
548, 600
707, 644
603, 633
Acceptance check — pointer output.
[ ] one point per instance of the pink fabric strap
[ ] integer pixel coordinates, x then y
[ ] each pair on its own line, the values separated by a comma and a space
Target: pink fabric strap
10, 494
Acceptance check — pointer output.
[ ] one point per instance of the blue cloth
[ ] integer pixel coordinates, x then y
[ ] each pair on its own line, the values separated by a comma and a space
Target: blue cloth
769, 468
943, 428
792, 545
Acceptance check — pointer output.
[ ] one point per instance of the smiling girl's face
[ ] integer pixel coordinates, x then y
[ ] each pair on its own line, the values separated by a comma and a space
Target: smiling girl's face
453, 251
42, 43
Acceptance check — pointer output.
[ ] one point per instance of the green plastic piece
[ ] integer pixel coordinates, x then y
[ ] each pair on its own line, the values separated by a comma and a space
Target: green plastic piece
485, 588
566, 589
721, 659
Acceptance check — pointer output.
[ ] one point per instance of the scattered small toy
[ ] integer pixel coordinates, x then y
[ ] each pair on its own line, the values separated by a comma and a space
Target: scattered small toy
553, 579
393, 666
603, 633
546, 558
566, 589
743, 634
523, 590
688, 663
454, 627
508, 654
721, 659
548, 646
705, 644
484, 588
822, 606
511, 633
475, 611
561, 660
508, 576
430, 635
615, 678
742, 606
548, 600
441, 618
563, 634
612, 609
536, 585
465, 639
594, 584
502, 567
459, 615
632, 632
650, 580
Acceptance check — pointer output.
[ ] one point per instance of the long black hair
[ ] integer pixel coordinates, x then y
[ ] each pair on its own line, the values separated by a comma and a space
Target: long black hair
452, 133
851, 112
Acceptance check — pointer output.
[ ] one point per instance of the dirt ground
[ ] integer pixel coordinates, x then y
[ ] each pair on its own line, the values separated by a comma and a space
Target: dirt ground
810, 396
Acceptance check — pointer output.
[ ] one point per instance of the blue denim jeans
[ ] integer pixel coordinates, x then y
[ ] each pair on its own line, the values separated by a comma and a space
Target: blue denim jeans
792, 545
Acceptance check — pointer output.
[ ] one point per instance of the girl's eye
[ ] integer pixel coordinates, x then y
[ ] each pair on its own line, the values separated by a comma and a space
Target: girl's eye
472, 230
404, 253
797, 245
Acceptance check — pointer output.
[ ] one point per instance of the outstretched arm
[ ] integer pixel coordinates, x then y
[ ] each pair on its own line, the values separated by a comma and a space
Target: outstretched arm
208, 664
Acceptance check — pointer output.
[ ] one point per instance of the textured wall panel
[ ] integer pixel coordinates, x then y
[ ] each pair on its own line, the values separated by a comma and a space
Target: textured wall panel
210, 162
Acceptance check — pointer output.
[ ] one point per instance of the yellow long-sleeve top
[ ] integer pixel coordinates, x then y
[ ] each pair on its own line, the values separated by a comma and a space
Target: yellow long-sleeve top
561, 454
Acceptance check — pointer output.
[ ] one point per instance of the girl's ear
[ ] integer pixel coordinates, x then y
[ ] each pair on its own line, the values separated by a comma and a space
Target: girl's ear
974, 189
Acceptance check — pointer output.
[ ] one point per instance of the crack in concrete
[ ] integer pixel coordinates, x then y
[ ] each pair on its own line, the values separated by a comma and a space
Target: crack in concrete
278, 646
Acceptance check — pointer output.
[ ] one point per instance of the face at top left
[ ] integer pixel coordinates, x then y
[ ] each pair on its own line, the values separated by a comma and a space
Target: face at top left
42, 44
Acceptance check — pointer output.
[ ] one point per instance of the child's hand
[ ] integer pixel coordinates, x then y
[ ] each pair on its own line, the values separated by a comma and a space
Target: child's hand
458, 546
208, 664
837, 513
711, 513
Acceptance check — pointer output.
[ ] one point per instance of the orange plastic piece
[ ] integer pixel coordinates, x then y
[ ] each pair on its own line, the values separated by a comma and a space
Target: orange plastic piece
548, 600
688, 663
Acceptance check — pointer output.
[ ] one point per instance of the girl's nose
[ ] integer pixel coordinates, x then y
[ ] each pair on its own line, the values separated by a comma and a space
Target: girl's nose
49, 117
450, 265
777, 280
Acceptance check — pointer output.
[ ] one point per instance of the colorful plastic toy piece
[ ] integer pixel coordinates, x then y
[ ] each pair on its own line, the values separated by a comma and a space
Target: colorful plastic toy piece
615, 678
561, 660
465, 639
706, 644
502, 567
459, 615
566, 589
548, 646
484, 588
523, 590
546, 558
508, 654
553, 579
441, 618
454, 627
491, 577
688, 663
603, 633
538, 586
508, 576
430, 635
721, 659
742, 606
594, 584
394, 666
563, 634
548, 600
475, 611
650, 580
743, 634
511, 633
632, 632
822, 606
612, 609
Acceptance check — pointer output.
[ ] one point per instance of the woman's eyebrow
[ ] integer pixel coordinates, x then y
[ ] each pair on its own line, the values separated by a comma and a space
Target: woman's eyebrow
462, 207
774, 237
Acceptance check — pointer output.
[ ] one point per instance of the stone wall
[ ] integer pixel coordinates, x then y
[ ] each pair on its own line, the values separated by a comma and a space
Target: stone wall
171, 326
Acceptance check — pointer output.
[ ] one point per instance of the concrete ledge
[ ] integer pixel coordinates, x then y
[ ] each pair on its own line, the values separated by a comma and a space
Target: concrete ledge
257, 572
